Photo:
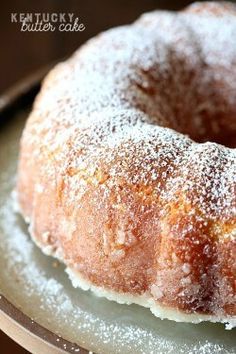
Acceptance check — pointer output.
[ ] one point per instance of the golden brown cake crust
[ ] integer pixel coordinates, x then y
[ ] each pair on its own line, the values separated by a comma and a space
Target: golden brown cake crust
107, 178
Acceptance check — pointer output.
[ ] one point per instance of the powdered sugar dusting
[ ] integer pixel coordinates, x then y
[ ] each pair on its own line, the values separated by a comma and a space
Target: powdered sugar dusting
127, 111
44, 293
109, 101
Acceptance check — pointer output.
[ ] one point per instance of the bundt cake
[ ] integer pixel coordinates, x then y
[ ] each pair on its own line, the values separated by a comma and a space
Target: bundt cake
127, 168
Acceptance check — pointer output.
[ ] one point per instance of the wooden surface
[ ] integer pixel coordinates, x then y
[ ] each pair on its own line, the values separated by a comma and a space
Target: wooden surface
23, 52
8, 346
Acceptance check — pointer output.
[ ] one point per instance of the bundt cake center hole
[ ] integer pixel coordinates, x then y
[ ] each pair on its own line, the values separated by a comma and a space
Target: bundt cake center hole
211, 121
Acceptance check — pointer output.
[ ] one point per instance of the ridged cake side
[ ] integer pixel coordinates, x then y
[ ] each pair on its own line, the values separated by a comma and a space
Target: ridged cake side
109, 182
